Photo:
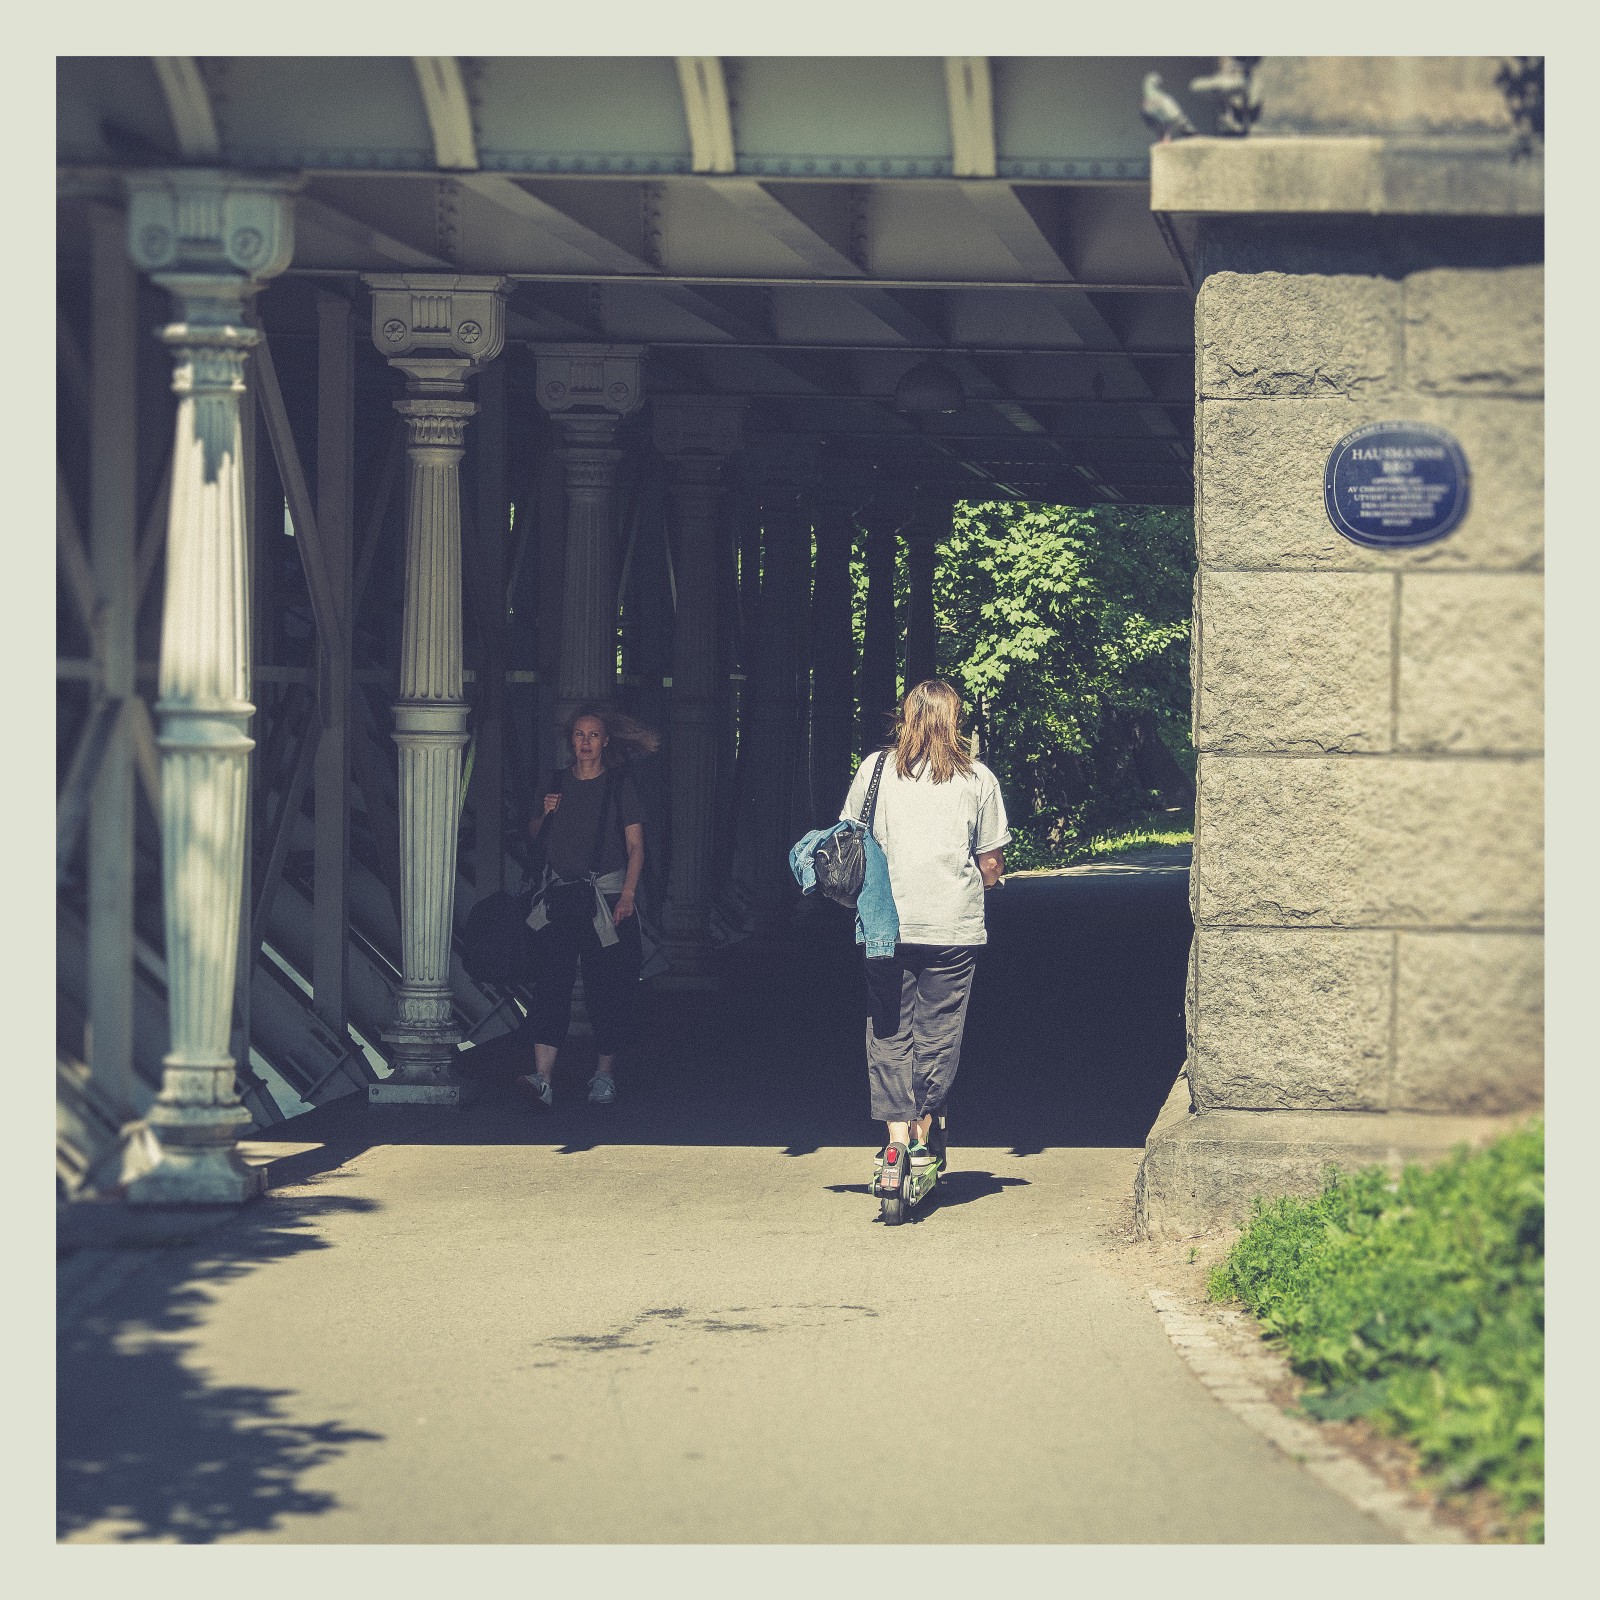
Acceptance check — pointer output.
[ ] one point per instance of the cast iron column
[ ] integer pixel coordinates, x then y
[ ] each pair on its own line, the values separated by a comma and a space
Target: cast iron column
697, 437
209, 238
439, 330
588, 389
775, 777
833, 655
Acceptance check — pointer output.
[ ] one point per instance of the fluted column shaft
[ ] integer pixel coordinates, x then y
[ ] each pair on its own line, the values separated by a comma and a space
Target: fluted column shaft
697, 435
590, 461
778, 720
204, 710
696, 499
430, 729
833, 662
439, 329
212, 236
587, 390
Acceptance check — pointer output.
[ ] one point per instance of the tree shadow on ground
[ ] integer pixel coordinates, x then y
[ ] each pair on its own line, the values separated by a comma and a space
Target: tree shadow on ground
1075, 1036
147, 1447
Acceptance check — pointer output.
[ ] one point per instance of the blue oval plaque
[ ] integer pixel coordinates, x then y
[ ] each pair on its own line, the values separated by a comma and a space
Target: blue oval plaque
1391, 485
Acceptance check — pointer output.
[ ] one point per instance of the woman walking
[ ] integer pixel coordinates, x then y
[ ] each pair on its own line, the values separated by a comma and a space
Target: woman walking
942, 825
592, 827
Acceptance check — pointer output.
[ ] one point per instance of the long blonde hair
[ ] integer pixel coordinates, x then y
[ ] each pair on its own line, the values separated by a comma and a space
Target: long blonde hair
929, 733
629, 738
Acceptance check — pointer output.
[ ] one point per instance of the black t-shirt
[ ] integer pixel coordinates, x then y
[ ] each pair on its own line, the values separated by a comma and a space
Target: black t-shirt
569, 829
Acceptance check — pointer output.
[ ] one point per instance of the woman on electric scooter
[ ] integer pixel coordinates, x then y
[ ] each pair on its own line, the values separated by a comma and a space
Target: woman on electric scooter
942, 825
592, 826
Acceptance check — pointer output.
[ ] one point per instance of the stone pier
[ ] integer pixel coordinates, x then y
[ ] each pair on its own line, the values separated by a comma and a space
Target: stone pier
1365, 980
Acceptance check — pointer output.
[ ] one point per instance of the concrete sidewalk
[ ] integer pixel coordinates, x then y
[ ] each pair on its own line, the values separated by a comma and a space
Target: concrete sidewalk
680, 1320
624, 1342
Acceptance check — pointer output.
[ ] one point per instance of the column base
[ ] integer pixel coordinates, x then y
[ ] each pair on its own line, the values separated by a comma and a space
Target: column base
1201, 1170
446, 1094
688, 964
198, 1178
424, 1060
685, 982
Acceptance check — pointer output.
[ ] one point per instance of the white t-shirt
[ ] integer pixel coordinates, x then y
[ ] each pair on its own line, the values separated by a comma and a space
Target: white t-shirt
932, 834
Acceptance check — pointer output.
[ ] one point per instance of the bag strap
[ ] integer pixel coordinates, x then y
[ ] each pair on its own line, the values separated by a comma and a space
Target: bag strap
600, 827
870, 809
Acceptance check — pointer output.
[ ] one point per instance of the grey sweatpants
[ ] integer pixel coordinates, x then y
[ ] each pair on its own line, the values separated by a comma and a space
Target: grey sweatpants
918, 1008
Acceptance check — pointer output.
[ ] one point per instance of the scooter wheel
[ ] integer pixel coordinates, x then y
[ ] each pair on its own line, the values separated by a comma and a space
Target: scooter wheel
893, 1209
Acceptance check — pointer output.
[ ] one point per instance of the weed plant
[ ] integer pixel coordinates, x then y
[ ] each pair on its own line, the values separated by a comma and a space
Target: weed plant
1417, 1302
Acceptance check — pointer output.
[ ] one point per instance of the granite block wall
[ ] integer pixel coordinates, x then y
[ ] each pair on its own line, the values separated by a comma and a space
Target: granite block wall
1368, 864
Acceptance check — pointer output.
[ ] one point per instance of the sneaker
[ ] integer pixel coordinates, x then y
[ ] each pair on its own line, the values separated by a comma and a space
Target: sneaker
602, 1090
922, 1156
538, 1089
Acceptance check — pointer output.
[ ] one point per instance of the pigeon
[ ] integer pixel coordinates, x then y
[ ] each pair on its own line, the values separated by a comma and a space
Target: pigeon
1162, 114
1232, 81
1229, 78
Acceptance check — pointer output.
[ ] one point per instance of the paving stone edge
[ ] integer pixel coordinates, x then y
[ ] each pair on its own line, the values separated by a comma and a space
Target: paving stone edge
1221, 1349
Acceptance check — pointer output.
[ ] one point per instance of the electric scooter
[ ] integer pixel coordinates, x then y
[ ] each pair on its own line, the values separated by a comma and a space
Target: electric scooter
902, 1184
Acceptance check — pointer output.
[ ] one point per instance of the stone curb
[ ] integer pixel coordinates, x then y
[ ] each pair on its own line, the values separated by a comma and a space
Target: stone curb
1237, 1370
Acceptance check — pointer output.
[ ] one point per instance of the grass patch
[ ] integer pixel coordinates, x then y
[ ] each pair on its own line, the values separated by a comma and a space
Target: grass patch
1138, 838
1418, 1303
1029, 854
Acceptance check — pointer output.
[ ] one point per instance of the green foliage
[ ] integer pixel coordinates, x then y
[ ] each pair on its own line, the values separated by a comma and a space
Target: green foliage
1067, 631
1419, 1303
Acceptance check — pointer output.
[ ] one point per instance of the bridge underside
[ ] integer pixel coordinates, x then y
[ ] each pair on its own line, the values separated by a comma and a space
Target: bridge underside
496, 386
826, 300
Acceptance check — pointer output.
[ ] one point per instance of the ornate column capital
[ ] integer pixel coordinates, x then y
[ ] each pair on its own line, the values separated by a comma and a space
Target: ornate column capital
694, 430
210, 238
438, 322
436, 423
204, 222
589, 457
607, 378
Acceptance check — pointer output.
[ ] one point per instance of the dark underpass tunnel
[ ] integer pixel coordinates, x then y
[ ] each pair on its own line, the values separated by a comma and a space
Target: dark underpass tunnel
1074, 1037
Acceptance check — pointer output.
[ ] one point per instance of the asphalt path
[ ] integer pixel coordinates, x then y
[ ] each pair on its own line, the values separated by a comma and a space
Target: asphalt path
679, 1320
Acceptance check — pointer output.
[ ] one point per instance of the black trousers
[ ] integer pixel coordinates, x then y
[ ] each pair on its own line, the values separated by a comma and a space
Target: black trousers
917, 1003
610, 984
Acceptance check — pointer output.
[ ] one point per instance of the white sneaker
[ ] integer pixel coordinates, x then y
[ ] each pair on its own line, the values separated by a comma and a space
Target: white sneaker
541, 1089
602, 1090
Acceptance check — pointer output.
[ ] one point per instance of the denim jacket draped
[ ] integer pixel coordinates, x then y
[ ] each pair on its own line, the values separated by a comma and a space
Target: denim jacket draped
877, 921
